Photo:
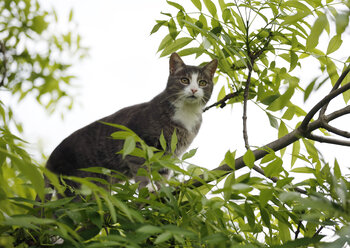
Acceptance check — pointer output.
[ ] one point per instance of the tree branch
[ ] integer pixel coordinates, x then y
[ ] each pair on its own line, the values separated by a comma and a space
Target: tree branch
327, 140
334, 130
245, 102
222, 102
336, 86
303, 131
320, 104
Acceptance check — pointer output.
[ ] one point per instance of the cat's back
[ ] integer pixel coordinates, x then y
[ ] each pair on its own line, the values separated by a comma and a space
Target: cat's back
92, 145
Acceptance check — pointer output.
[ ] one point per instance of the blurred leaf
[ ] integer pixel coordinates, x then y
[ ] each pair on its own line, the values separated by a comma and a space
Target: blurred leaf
316, 31
163, 237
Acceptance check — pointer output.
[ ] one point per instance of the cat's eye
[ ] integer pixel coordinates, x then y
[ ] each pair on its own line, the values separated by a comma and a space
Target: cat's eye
202, 83
185, 81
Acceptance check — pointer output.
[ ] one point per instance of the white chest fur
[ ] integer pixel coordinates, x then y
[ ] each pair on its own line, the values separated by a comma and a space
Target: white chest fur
188, 115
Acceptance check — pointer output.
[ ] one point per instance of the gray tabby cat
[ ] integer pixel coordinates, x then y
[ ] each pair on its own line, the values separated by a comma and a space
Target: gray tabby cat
178, 107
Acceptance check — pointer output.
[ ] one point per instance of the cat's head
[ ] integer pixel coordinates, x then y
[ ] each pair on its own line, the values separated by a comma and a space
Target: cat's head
190, 84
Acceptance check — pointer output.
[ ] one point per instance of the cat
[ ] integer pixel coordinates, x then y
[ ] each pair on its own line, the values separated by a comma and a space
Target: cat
178, 107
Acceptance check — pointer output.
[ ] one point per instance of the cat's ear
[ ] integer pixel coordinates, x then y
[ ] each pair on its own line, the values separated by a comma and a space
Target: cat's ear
211, 67
175, 63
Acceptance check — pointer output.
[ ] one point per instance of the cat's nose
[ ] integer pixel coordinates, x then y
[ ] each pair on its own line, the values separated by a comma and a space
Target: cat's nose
194, 91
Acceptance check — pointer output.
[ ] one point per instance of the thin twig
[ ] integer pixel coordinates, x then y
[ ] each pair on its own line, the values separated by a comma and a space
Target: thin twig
323, 139
336, 86
298, 230
222, 102
320, 104
338, 113
318, 231
245, 103
334, 130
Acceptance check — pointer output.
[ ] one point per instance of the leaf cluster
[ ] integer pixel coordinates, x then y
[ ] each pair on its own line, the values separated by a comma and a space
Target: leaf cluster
240, 210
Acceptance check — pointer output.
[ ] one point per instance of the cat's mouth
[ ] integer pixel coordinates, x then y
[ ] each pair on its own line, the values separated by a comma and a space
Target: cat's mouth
192, 99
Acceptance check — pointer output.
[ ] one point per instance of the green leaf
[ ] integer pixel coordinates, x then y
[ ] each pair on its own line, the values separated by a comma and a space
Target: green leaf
176, 45
197, 3
249, 158
230, 159
129, 146
162, 141
273, 120
249, 214
303, 170
190, 51
274, 168
211, 7
70, 15
229, 181
342, 22
298, 5
309, 89
346, 94
29, 170
293, 60
282, 101
172, 29
265, 216
311, 149
176, 5
302, 242
295, 152
282, 131
337, 171
167, 40
316, 31
189, 154
39, 24
288, 20
163, 237
157, 26
173, 141
284, 232
265, 196
149, 229
334, 44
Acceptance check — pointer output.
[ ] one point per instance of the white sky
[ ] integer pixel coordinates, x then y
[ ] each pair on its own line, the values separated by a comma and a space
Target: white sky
123, 69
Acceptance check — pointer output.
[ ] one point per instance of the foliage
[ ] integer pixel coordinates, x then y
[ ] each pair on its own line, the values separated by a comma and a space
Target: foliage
277, 209
33, 63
